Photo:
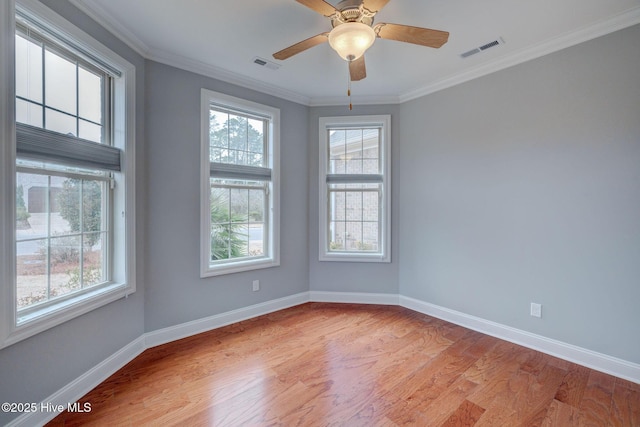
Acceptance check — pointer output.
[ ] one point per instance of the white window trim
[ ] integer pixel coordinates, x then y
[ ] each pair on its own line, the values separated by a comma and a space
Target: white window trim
208, 97
354, 121
124, 262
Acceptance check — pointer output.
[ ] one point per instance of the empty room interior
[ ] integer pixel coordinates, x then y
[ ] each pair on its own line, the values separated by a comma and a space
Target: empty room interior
216, 213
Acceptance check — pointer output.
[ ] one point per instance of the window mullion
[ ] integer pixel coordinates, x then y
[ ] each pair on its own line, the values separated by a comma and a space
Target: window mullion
42, 84
48, 211
81, 231
77, 115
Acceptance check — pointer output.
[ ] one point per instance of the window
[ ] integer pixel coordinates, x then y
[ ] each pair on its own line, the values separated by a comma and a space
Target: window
354, 188
72, 175
239, 189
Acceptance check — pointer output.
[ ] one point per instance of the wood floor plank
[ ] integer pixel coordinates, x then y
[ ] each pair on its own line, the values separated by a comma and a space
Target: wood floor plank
467, 414
561, 414
597, 399
356, 365
573, 385
625, 410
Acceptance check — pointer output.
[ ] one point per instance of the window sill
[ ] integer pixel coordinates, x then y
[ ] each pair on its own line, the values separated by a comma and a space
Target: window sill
238, 266
55, 314
354, 257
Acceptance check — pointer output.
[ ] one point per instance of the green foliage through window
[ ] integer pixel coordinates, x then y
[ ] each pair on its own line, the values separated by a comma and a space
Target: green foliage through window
228, 239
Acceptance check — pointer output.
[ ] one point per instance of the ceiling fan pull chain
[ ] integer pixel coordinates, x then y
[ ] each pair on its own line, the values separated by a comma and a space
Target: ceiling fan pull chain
349, 85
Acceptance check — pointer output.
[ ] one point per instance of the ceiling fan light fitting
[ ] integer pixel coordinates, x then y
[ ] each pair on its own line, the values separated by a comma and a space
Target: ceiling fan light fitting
351, 39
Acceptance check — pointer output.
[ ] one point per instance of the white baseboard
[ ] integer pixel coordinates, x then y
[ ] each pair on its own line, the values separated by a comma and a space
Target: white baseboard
89, 380
173, 333
591, 359
354, 297
81, 385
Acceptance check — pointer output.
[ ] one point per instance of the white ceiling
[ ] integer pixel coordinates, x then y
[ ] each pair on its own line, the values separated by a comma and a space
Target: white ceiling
221, 38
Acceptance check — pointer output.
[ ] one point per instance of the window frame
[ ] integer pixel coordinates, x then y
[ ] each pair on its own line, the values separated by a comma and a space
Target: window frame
271, 258
123, 262
355, 122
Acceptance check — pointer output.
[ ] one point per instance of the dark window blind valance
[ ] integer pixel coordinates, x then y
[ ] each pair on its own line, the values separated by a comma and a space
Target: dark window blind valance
354, 178
231, 171
33, 143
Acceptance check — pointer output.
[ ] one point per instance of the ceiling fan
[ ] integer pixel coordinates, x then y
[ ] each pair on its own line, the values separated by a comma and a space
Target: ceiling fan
353, 32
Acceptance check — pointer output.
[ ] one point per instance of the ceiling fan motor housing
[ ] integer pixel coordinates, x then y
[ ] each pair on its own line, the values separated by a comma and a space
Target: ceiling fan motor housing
352, 11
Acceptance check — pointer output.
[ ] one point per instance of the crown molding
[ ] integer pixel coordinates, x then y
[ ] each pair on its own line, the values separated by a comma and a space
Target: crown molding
111, 24
227, 76
572, 38
618, 22
355, 100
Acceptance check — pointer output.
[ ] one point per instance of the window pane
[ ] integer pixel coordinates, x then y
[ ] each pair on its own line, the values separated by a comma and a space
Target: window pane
353, 144
353, 235
89, 131
337, 165
370, 166
354, 166
59, 122
370, 237
28, 69
256, 155
238, 219
60, 83
354, 206
28, 113
218, 131
236, 139
65, 206
256, 206
354, 151
354, 218
31, 272
370, 206
59, 239
92, 196
237, 126
31, 206
336, 236
337, 206
93, 259
337, 152
229, 237
90, 97
64, 255
219, 205
256, 239
256, 230
239, 205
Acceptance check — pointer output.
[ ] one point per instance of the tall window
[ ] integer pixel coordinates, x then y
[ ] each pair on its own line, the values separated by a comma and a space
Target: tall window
354, 188
71, 252
239, 185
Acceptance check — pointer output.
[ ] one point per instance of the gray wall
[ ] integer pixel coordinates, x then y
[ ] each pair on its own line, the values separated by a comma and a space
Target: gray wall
520, 186
352, 276
35, 368
525, 186
175, 293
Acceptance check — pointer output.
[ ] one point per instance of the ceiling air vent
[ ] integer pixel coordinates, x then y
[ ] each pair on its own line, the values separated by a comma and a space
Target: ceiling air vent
485, 46
264, 63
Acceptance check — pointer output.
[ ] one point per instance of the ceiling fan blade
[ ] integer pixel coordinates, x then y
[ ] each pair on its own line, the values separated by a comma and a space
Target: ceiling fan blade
416, 35
374, 5
301, 46
357, 70
320, 6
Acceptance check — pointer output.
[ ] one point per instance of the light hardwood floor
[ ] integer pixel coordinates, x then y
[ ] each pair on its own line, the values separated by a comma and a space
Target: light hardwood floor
354, 365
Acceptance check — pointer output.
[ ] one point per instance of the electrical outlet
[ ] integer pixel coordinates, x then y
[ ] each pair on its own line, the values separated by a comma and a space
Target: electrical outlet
256, 285
536, 309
